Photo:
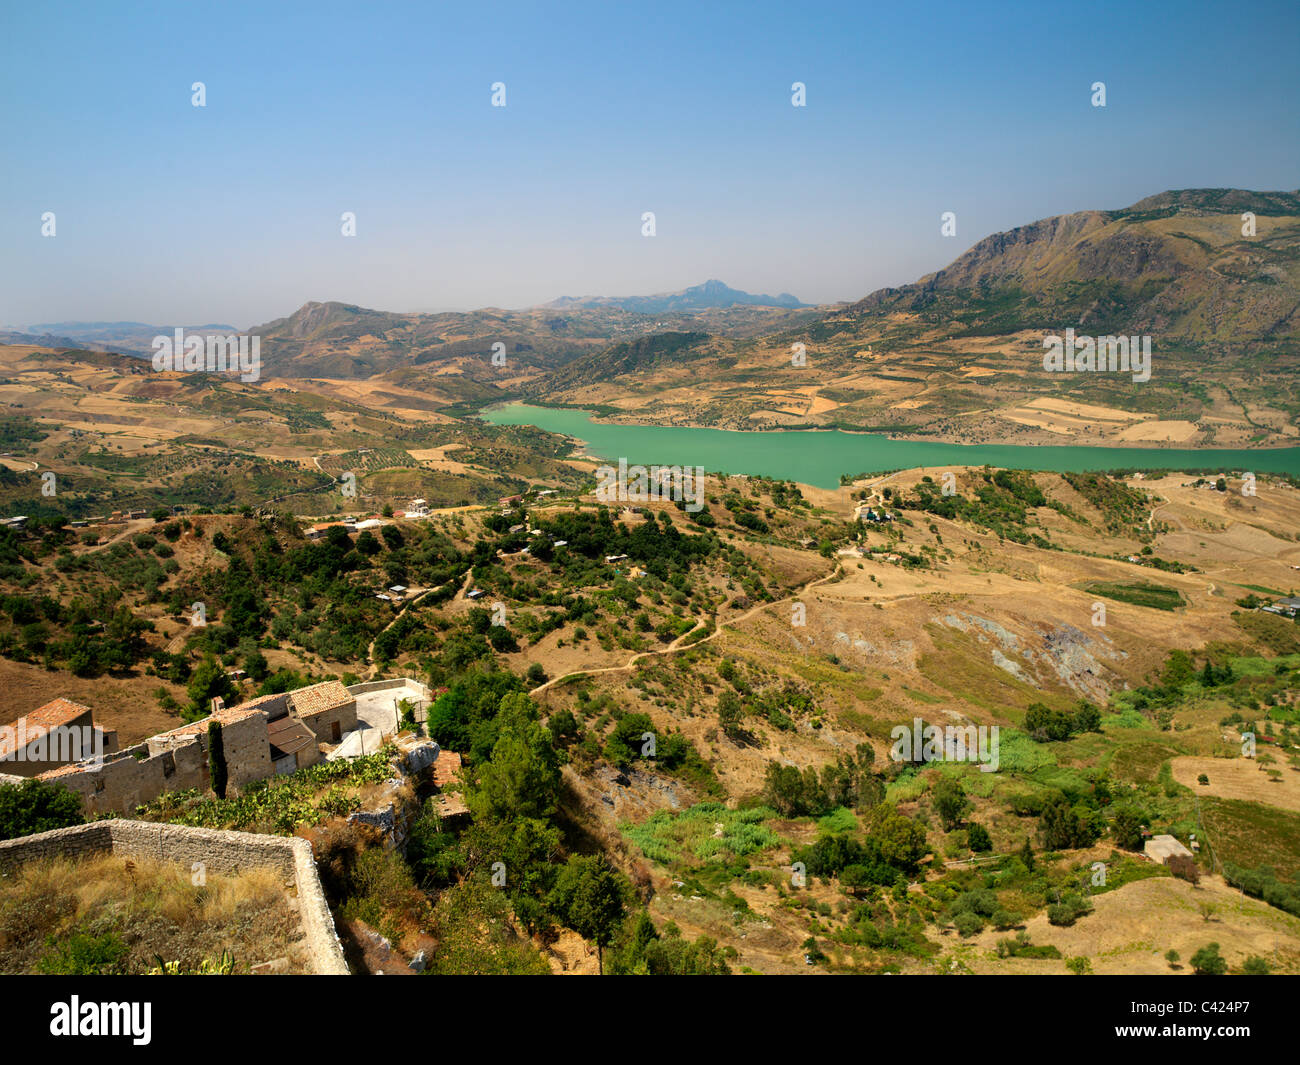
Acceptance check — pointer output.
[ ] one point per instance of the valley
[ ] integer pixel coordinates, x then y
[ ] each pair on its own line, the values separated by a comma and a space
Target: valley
691, 706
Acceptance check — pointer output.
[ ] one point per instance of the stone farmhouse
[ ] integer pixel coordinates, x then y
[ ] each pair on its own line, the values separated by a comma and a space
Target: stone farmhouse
59, 732
265, 736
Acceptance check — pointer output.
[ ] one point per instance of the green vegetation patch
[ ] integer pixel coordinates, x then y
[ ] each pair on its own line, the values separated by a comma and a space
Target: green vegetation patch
1138, 593
705, 831
1251, 834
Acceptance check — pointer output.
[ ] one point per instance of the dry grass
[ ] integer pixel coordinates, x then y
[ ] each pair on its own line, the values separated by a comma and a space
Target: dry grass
153, 908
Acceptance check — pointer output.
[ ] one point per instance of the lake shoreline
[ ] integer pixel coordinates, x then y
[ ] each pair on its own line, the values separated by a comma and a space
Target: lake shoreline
826, 455
1050, 440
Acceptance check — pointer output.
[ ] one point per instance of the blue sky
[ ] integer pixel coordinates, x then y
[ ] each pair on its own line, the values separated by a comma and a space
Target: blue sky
168, 213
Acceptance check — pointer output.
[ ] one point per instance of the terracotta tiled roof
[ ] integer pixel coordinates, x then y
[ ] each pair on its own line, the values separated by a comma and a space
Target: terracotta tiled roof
228, 716
446, 774
61, 771
36, 724
446, 768
319, 697
259, 702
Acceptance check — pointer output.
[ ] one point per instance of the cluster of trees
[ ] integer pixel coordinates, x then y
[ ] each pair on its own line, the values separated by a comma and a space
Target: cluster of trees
793, 792
1063, 826
1001, 504
89, 636
1122, 507
656, 544
512, 786
891, 851
1179, 670
646, 951
1043, 723
1264, 883
629, 738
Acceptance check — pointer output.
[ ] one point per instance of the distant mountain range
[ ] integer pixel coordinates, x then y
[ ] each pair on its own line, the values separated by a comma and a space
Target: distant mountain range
711, 294
343, 340
129, 338
938, 356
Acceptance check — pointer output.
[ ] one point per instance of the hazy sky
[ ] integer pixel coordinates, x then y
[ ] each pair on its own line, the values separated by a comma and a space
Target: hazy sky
170, 213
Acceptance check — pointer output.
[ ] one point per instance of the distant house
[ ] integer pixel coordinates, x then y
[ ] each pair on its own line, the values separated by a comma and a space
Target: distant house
1161, 848
316, 532
508, 500
876, 517
1288, 607
398, 588
475, 593
59, 733
615, 558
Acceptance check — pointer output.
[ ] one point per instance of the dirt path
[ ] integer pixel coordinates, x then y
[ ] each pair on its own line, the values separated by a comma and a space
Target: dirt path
677, 644
137, 525
372, 665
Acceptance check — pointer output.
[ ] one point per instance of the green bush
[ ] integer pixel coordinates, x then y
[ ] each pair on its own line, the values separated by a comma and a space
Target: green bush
35, 806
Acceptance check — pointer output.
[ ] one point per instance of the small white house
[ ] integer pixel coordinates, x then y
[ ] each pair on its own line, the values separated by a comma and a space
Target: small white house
1161, 848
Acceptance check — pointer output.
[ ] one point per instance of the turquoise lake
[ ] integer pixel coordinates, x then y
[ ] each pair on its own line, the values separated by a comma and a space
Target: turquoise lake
818, 458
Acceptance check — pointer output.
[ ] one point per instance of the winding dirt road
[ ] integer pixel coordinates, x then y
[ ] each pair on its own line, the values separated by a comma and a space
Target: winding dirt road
678, 645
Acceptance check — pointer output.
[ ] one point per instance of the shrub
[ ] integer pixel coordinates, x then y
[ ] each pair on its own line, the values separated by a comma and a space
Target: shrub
35, 806
1184, 868
81, 954
1067, 911
1208, 961
977, 837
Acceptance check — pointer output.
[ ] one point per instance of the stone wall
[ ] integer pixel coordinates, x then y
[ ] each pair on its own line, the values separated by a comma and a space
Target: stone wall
387, 685
170, 761
424, 695
221, 852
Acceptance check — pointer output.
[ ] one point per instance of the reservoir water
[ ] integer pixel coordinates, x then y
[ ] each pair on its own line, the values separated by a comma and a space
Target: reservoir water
820, 457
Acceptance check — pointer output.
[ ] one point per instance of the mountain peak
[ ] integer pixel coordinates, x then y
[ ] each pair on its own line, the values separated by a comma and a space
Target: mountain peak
709, 295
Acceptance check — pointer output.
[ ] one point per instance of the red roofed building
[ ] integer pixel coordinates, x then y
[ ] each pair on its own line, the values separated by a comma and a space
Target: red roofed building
59, 733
